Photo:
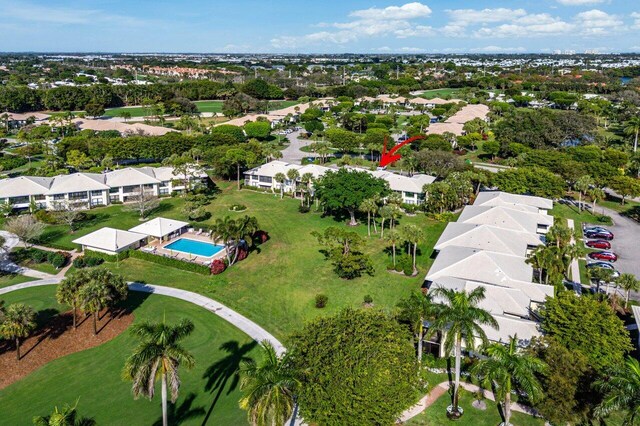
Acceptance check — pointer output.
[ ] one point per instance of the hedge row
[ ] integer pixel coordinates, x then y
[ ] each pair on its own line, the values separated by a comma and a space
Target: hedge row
169, 261
107, 257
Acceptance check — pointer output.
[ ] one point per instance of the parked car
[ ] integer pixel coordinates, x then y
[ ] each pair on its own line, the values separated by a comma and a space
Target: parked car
595, 229
599, 235
607, 256
604, 265
598, 244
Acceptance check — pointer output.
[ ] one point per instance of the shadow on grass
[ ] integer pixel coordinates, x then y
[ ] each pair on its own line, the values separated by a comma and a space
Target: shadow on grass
224, 372
179, 413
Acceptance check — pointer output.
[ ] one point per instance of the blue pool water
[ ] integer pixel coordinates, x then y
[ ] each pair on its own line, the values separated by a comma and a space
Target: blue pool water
197, 248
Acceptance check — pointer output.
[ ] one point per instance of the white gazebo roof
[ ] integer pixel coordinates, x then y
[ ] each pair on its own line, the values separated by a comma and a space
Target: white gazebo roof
159, 227
110, 239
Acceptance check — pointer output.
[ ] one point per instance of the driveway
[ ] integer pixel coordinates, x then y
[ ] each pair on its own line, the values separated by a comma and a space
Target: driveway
292, 154
625, 243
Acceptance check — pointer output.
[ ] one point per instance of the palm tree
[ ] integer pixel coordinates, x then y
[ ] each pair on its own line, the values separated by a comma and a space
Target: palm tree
280, 178
413, 235
394, 238
582, 185
158, 356
621, 392
559, 234
293, 176
306, 180
628, 282
94, 296
633, 129
596, 194
19, 321
385, 213
369, 206
68, 290
507, 368
536, 261
460, 318
417, 308
68, 416
600, 275
268, 387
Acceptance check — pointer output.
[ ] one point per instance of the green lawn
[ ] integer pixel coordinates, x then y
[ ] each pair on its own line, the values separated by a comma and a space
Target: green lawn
584, 216
273, 105
435, 415
135, 111
208, 395
203, 106
440, 93
10, 279
277, 284
209, 106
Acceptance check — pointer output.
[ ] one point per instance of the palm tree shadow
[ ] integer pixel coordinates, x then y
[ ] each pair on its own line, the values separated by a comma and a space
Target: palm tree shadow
177, 414
224, 370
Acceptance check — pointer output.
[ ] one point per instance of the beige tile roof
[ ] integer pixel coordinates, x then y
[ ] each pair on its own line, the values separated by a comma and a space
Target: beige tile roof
109, 239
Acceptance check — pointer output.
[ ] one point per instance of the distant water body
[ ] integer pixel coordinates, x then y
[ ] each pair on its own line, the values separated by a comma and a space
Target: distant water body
625, 80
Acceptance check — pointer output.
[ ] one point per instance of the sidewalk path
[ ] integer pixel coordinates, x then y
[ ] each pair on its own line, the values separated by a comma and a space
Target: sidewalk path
443, 388
6, 265
252, 329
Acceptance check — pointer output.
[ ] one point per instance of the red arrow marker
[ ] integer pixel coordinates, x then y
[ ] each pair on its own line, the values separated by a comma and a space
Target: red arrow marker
391, 156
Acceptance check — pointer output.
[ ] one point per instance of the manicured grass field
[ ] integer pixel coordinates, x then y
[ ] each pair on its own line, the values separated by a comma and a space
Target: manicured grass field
277, 284
440, 93
136, 111
209, 106
436, 414
203, 106
10, 279
209, 393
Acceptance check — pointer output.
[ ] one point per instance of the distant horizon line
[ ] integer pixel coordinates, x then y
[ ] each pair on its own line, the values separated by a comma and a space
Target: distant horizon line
69, 52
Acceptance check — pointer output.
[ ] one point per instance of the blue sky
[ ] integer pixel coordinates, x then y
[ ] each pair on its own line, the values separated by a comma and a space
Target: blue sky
320, 26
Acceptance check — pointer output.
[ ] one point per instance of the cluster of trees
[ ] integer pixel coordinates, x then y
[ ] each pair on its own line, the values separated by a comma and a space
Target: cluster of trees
556, 256
344, 249
452, 192
236, 234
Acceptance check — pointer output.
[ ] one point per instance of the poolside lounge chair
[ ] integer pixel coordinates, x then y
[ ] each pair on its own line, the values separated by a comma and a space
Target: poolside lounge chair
199, 231
191, 230
207, 234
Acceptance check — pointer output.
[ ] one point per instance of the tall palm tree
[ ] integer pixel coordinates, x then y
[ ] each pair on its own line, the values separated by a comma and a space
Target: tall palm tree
268, 387
280, 178
460, 318
413, 235
158, 356
536, 262
596, 194
19, 321
68, 290
293, 176
417, 308
582, 185
94, 296
68, 416
369, 206
628, 282
621, 392
632, 128
394, 238
306, 180
385, 213
506, 368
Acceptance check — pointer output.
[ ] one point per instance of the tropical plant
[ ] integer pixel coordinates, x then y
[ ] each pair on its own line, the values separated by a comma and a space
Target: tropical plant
293, 175
412, 234
415, 309
306, 180
461, 319
25, 227
582, 185
632, 128
595, 194
394, 238
67, 416
158, 356
19, 321
67, 292
369, 206
280, 178
628, 282
505, 369
94, 297
621, 391
268, 387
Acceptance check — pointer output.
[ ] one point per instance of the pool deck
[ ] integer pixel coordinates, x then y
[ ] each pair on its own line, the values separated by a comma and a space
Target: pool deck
158, 247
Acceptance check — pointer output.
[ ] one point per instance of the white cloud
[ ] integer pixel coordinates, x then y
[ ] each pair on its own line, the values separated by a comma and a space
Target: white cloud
412, 49
636, 22
595, 22
396, 21
497, 49
464, 17
406, 11
579, 2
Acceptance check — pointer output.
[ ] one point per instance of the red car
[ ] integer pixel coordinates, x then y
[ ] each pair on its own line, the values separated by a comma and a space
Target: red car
599, 244
607, 256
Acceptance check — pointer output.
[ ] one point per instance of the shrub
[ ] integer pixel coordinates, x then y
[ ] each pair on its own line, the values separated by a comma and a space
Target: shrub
321, 301
58, 259
169, 261
108, 257
304, 209
45, 216
37, 255
404, 264
368, 299
260, 236
218, 266
409, 208
79, 262
242, 254
87, 261
238, 207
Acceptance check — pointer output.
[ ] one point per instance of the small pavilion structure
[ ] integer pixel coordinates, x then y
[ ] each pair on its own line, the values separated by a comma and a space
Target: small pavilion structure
161, 228
111, 241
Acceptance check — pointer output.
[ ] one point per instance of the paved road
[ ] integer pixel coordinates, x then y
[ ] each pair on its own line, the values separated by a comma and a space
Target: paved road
626, 242
252, 329
292, 153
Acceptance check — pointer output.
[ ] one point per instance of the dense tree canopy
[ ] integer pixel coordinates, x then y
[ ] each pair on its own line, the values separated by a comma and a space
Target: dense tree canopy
357, 368
535, 181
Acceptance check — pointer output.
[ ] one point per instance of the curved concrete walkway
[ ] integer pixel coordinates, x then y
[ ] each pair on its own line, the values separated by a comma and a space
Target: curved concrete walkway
249, 327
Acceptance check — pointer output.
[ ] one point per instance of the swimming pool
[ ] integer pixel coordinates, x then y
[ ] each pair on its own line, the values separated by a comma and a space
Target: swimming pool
194, 247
